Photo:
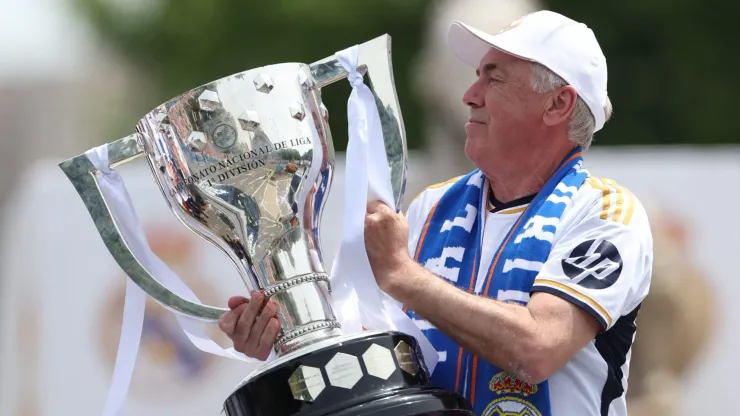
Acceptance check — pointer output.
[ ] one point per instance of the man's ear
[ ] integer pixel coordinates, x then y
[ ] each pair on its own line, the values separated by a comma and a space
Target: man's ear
560, 105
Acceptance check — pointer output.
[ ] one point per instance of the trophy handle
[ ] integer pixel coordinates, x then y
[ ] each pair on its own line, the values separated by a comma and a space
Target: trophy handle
82, 174
374, 58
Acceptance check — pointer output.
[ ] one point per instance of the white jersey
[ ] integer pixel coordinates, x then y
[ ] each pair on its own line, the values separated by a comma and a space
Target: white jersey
601, 261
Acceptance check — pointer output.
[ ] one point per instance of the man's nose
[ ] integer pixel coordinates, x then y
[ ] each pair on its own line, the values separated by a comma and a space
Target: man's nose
473, 97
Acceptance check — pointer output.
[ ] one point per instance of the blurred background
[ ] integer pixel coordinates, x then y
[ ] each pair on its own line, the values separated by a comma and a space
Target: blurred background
78, 73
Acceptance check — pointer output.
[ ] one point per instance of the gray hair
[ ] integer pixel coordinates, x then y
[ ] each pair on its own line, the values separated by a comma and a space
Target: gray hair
582, 123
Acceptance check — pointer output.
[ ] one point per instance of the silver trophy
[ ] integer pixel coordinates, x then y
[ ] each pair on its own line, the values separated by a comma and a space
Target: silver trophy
246, 162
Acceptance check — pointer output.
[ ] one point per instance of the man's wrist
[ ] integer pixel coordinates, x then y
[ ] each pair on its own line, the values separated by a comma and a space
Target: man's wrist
405, 281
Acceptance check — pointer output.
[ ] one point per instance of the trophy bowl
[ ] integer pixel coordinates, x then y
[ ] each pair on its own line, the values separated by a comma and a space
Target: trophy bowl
246, 162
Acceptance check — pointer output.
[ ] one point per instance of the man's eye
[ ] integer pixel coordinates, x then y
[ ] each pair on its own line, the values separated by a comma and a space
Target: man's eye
492, 80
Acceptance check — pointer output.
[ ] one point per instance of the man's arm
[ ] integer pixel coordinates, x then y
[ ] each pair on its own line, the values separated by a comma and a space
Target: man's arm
533, 342
599, 269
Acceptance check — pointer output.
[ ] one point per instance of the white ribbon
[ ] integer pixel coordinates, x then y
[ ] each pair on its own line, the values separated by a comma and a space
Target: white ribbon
119, 203
357, 298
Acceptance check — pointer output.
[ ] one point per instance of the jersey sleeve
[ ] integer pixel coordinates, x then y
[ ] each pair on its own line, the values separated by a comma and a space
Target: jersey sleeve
601, 265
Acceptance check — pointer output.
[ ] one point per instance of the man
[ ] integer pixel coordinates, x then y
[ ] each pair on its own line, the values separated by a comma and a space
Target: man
527, 273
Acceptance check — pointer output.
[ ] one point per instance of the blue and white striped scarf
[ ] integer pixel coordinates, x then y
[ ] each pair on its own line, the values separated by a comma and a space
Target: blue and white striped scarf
453, 232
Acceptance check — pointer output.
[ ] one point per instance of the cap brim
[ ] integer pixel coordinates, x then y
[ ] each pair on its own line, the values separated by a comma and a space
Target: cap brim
470, 45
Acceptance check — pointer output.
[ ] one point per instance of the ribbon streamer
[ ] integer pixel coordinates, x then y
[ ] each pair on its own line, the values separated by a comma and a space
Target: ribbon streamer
366, 173
119, 202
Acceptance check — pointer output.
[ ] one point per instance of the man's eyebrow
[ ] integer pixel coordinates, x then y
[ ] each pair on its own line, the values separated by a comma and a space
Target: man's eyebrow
487, 68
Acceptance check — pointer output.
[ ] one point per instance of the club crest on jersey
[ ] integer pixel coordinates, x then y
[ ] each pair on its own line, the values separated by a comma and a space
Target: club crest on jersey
510, 406
505, 382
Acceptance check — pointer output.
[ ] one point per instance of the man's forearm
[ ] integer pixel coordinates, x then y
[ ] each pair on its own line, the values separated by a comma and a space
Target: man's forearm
505, 335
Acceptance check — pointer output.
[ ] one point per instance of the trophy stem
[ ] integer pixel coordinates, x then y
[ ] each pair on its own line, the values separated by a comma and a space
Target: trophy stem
305, 311
306, 335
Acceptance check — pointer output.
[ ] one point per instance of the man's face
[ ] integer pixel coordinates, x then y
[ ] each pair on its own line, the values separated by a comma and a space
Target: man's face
505, 112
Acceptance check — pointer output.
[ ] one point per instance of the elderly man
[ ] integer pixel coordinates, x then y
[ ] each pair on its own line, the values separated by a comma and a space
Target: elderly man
527, 273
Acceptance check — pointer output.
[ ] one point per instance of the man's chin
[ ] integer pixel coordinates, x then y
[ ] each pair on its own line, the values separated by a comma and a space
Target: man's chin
473, 148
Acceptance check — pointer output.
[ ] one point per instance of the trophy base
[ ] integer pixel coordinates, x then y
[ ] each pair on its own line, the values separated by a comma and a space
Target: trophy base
369, 374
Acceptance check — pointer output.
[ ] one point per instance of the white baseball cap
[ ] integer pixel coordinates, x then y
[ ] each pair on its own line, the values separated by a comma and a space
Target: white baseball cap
566, 47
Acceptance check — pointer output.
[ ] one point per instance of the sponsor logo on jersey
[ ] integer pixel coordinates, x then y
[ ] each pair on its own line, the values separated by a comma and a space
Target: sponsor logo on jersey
595, 264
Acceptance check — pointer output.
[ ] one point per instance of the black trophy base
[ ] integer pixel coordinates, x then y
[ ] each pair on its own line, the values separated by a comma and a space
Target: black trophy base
374, 374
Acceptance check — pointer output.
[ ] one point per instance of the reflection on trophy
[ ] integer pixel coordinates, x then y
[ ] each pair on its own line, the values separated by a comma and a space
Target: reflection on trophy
246, 162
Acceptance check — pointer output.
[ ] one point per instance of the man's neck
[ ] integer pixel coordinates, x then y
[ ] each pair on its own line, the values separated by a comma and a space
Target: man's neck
517, 180
510, 190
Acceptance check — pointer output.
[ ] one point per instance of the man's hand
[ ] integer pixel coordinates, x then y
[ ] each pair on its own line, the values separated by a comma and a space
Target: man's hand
386, 242
251, 324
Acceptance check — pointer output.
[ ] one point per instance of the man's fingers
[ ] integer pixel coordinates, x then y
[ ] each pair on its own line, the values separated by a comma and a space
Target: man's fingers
246, 320
268, 338
268, 312
374, 206
235, 301
227, 322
